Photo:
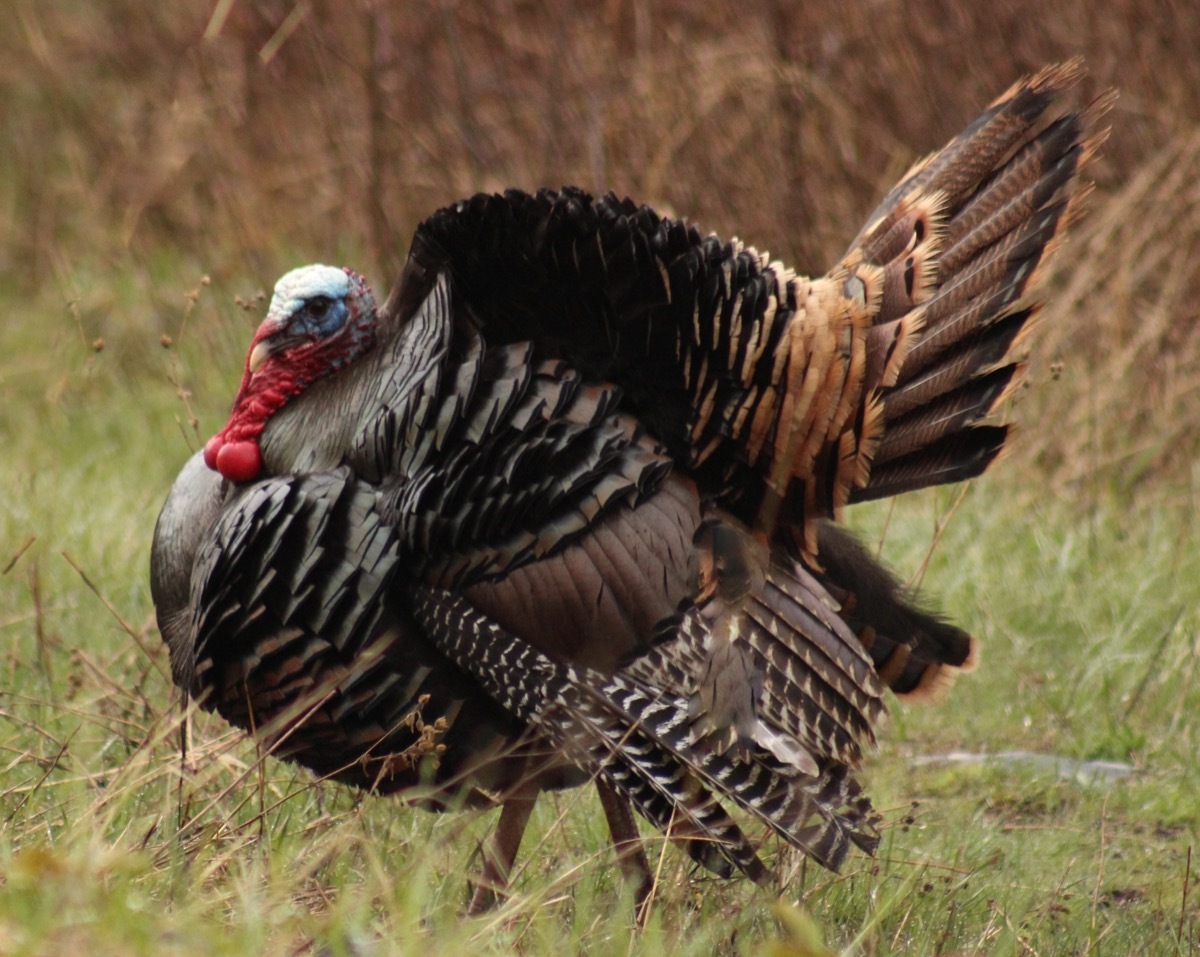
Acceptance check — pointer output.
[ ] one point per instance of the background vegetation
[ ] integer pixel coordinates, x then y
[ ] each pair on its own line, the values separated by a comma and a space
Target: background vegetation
161, 164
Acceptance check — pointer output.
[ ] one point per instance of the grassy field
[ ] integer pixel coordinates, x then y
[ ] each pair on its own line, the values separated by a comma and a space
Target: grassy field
1074, 560
109, 844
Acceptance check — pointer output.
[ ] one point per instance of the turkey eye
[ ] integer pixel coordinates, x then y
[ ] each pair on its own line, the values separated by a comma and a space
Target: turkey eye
318, 307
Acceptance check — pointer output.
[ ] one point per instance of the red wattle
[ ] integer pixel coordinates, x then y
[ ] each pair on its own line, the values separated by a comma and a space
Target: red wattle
211, 448
238, 461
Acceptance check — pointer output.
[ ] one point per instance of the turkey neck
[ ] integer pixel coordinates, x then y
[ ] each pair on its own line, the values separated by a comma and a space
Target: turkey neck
313, 432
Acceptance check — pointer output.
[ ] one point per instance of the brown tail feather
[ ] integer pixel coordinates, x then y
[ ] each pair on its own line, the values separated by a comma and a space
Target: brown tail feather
956, 366
1028, 182
960, 243
957, 169
958, 410
915, 652
955, 458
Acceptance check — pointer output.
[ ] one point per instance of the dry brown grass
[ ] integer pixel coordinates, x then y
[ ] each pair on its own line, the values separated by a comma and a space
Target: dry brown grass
241, 134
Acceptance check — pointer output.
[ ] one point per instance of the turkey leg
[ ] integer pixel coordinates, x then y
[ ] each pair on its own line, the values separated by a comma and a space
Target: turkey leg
500, 852
631, 855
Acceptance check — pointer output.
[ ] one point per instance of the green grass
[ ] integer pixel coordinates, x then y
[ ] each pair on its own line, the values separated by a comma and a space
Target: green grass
111, 843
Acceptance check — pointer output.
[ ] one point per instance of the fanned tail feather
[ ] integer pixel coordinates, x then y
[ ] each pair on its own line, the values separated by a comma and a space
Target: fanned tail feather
969, 231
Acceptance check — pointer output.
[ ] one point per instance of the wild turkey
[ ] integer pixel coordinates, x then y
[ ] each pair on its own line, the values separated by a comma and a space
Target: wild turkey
558, 510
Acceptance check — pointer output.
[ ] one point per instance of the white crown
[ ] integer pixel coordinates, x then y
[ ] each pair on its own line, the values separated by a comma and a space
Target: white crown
300, 285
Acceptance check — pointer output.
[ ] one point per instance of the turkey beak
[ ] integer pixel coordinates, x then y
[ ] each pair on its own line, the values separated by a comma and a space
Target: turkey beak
258, 355
271, 339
